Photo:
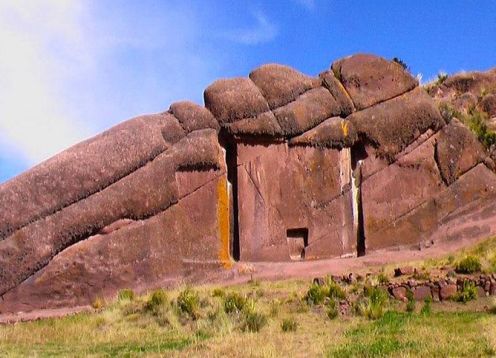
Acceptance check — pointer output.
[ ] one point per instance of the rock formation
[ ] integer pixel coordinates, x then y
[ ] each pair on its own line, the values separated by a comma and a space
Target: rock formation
278, 166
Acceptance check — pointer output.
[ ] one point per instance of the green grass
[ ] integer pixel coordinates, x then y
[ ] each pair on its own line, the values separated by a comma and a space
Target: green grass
269, 319
435, 335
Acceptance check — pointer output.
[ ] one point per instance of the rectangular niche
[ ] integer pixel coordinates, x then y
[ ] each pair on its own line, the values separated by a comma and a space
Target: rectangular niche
297, 242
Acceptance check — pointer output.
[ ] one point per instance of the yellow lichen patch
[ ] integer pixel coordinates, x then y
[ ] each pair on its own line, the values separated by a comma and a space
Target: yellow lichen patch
223, 221
344, 127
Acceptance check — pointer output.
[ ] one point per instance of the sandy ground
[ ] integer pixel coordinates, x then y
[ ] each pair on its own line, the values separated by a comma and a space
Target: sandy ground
244, 271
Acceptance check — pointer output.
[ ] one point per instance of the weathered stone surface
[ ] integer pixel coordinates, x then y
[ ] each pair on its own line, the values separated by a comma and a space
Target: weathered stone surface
396, 191
233, 99
399, 293
393, 125
264, 124
403, 271
301, 175
464, 210
310, 109
337, 90
457, 150
334, 132
370, 79
84, 169
143, 193
280, 189
488, 104
145, 254
447, 291
422, 292
193, 117
281, 84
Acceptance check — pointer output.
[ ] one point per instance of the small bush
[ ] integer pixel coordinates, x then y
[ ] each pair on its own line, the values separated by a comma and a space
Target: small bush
289, 325
426, 308
382, 278
441, 77
373, 304
332, 309
234, 303
410, 304
218, 292
451, 259
125, 295
98, 303
492, 308
468, 293
476, 121
157, 299
400, 62
317, 294
253, 321
188, 303
468, 265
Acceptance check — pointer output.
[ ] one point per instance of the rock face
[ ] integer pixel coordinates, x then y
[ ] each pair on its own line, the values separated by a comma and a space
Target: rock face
278, 166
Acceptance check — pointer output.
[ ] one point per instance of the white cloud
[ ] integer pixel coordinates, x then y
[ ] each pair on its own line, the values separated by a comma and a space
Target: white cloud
261, 32
69, 69
32, 117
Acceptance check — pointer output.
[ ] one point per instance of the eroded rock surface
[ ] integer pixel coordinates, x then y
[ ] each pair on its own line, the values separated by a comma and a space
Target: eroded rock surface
278, 166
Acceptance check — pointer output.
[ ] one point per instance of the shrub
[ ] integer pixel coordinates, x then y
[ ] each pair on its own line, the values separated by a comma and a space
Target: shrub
289, 325
332, 310
98, 303
317, 294
373, 304
218, 292
188, 303
253, 321
234, 303
448, 112
468, 293
125, 295
468, 265
382, 278
335, 291
410, 304
441, 77
476, 121
426, 308
400, 62
492, 308
157, 299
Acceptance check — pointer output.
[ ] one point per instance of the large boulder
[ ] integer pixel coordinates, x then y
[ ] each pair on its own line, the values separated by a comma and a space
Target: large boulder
369, 79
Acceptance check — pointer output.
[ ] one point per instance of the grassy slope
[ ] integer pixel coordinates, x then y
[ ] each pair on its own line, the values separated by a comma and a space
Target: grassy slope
128, 328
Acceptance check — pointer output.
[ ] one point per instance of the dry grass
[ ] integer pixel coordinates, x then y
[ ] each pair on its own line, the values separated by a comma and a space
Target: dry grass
134, 326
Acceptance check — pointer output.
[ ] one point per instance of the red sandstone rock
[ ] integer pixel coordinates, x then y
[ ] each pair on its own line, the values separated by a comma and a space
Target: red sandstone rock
488, 104
422, 292
281, 84
457, 150
310, 109
193, 117
370, 79
334, 132
84, 169
233, 99
393, 125
403, 271
399, 293
447, 291
149, 202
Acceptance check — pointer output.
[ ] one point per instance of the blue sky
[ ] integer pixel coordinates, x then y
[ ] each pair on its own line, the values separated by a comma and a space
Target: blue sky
70, 69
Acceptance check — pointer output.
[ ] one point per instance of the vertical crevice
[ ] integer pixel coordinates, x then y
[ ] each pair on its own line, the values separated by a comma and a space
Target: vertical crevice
231, 148
358, 154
